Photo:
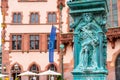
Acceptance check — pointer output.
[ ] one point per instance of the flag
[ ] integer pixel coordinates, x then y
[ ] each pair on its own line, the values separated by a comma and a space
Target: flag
51, 44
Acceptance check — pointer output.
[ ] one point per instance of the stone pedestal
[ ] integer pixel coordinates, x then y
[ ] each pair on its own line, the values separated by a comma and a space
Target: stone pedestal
89, 76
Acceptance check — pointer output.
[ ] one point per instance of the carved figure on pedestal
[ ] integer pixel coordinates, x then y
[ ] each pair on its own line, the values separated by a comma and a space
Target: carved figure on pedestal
90, 37
89, 42
88, 52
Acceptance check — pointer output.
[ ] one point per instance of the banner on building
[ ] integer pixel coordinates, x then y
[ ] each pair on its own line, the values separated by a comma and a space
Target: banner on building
51, 44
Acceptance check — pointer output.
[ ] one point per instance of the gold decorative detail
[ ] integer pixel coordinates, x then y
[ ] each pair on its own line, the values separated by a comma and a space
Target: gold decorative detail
3, 25
3, 41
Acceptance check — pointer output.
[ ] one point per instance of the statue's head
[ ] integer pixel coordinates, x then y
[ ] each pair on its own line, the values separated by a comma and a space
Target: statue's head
87, 17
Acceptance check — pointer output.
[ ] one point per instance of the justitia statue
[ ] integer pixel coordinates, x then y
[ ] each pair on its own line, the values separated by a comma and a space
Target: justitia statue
90, 38
89, 41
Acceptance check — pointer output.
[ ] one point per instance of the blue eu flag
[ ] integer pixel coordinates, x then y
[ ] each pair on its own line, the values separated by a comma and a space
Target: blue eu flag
51, 44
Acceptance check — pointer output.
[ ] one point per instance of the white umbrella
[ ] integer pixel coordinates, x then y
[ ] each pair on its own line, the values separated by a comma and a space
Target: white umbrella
27, 73
49, 72
3, 75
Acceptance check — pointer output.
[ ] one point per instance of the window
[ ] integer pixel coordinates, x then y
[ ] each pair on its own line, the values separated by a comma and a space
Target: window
34, 18
112, 15
55, 43
16, 42
34, 42
16, 17
34, 68
15, 69
117, 68
53, 68
52, 17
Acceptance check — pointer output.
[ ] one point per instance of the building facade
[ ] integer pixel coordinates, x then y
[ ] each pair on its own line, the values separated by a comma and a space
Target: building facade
0, 59
113, 36
25, 37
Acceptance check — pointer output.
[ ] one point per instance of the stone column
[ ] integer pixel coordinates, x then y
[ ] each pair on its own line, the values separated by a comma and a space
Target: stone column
89, 38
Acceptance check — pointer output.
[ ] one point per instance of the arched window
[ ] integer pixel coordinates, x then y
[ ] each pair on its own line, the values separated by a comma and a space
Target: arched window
117, 68
53, 68
34, 68
15, 71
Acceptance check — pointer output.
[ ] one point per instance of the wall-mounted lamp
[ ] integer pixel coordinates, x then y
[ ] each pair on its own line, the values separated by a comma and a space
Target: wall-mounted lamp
16, 67
4, 68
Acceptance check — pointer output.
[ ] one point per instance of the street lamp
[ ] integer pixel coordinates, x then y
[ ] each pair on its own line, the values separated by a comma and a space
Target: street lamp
16, 69
60, 7
61, 53
4, 68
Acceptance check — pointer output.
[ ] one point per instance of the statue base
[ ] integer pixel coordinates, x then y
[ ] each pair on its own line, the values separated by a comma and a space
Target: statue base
90, 75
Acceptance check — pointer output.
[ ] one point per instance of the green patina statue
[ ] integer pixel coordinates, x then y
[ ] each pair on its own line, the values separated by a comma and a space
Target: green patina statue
89, 42
88, 31
84, 0
89, 38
